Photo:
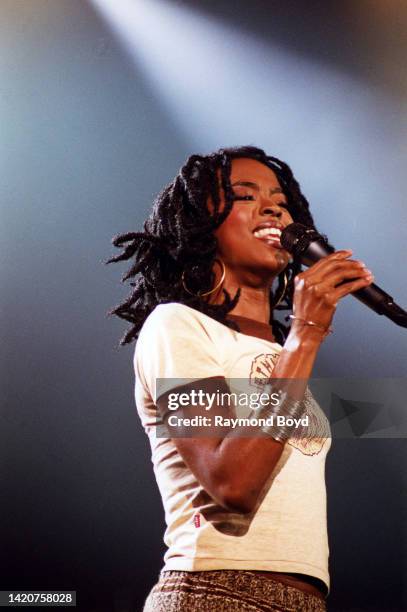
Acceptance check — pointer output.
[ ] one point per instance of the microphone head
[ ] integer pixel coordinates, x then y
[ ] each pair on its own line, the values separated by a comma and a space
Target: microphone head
296, 238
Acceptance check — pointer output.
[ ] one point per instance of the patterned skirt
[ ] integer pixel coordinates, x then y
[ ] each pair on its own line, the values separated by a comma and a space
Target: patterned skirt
227, 591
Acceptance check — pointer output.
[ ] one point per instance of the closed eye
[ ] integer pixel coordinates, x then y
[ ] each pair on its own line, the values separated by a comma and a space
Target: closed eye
247, 197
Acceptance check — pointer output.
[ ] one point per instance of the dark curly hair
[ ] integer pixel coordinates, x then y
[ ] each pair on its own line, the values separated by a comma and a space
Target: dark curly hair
178, 236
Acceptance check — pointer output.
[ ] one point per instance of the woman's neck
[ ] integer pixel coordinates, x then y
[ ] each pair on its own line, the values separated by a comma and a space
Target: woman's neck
253, 303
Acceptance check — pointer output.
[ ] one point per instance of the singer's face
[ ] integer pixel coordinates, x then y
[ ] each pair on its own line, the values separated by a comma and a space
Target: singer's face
248, 239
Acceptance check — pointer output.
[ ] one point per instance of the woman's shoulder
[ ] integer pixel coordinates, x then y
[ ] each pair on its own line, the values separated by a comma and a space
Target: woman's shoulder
172, 312
171, 308
175, 317
174, 333
176, 312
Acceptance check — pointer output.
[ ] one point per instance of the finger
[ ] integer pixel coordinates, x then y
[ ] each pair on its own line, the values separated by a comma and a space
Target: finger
337, 256
336, 277
342, 290
334, 267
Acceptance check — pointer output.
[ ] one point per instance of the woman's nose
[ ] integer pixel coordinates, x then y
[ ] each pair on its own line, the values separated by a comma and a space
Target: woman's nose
271, 209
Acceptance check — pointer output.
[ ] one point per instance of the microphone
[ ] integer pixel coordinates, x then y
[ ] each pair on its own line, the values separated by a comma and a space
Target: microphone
307, 246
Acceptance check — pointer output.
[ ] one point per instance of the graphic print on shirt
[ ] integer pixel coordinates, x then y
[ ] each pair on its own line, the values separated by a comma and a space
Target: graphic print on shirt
309, 440
262, 367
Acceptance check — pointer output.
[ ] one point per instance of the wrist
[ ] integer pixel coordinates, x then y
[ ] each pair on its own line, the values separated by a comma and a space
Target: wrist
306, 336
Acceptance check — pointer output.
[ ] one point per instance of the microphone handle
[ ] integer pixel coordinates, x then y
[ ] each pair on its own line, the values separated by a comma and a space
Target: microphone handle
372, 296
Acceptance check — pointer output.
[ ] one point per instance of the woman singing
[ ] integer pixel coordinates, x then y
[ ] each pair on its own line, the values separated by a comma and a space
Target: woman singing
245, 507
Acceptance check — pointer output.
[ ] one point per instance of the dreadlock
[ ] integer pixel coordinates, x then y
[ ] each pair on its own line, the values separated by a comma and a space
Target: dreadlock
178, 238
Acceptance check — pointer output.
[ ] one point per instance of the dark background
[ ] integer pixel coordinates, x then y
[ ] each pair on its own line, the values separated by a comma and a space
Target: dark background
98, 112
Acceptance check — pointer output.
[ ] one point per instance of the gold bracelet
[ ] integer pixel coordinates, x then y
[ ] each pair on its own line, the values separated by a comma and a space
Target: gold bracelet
327, 330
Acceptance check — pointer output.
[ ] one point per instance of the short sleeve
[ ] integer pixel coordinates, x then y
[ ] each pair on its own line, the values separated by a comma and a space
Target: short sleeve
173, 349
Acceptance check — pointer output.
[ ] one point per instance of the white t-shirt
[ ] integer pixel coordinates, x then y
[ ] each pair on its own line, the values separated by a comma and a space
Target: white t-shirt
288, 531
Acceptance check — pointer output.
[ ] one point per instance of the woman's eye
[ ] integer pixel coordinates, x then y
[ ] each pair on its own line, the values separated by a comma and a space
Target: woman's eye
246, 197
250, 198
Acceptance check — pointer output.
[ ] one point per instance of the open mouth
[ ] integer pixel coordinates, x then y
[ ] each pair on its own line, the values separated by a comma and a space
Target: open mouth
270, 235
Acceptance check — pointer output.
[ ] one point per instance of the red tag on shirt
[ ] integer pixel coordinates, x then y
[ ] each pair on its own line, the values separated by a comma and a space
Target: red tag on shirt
197, 520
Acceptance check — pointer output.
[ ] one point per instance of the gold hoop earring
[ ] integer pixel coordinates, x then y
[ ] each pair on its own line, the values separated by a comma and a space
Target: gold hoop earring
280, 299
199, 294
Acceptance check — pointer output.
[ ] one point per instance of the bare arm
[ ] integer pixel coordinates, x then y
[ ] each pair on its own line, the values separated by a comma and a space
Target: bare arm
235, 469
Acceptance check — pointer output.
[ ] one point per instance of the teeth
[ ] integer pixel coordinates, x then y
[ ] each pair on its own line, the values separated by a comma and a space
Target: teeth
273, 232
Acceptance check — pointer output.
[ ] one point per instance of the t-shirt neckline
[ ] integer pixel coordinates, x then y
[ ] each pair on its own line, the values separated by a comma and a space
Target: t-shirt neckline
251, 327
242, 333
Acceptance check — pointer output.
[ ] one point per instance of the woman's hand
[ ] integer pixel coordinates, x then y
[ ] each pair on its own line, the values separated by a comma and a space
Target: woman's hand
317, 292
